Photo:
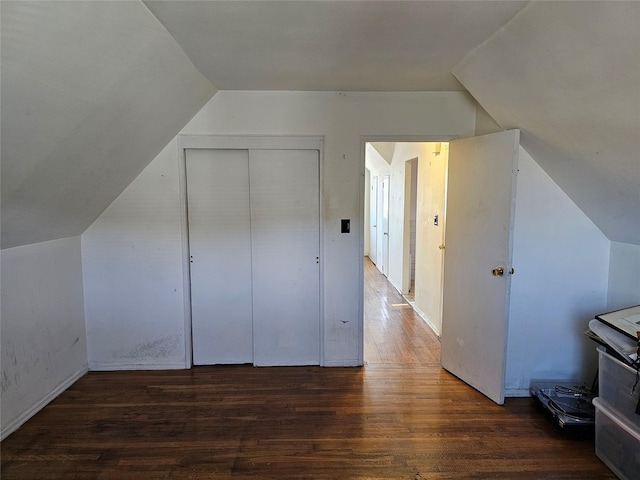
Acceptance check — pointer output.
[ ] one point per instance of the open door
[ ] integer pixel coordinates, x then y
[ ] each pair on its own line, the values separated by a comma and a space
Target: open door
478, 259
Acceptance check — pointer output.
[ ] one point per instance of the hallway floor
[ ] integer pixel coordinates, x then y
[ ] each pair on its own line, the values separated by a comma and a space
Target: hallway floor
394, 333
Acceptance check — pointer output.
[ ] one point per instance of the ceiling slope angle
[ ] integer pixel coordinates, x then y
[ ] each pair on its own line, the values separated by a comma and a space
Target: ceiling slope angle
91, 93
329, 45
568, 75
385, 149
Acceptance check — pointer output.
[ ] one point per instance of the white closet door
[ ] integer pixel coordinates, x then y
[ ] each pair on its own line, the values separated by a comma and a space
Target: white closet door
220, 250
285, 248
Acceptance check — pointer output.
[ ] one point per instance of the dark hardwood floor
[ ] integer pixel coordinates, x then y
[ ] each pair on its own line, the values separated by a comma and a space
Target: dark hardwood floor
399, 417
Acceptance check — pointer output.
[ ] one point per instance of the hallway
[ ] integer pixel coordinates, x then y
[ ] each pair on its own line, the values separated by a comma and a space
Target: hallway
393, 332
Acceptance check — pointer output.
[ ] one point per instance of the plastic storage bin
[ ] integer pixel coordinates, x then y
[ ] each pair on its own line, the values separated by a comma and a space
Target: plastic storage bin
615, 382
617, 443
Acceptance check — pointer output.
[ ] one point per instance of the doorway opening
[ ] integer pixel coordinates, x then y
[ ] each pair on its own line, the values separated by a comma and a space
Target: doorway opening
409, 228
404, 222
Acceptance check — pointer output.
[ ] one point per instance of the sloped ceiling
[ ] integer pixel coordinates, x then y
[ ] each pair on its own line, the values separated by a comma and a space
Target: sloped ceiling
91, 92
331, 45
385, 149
568, 75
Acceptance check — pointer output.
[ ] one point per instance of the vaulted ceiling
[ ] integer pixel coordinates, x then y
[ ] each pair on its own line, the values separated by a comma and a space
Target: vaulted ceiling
331, 45
568, 75
92, 91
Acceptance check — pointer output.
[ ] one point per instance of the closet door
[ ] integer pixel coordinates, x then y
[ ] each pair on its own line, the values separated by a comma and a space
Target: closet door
285, 238
220, 251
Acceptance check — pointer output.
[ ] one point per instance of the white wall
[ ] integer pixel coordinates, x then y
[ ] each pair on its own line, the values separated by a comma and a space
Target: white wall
43, 330
485, 124
122, 324
432, 170
132, 262
561, 262
624, 276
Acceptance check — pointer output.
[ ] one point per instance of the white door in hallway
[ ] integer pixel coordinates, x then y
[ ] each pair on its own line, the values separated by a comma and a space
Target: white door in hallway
285, 238
478, 259
383, 256
373, 219
220, 251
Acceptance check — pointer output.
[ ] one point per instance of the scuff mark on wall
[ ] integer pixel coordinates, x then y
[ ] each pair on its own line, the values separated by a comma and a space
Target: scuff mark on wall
43, 328
163, 347
6, 381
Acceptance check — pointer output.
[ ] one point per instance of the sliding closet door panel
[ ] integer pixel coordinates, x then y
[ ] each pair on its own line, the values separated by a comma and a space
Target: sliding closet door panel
220, 250
285, 237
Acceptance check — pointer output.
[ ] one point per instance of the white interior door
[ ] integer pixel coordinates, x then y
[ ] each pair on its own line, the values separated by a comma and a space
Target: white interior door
285, 212
480, 212
373, 219
220, 250
383, 259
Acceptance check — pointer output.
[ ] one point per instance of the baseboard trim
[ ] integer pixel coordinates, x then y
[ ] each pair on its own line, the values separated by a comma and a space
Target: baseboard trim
16, 423
424, 318
112, 367
342, 363
517, 392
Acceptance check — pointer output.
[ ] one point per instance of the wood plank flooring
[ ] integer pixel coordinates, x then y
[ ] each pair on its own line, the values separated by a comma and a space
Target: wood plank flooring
399, 417
393, 333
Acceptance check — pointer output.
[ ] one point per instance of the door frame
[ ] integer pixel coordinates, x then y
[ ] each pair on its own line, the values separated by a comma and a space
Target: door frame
410, 189
242, 142
364, 139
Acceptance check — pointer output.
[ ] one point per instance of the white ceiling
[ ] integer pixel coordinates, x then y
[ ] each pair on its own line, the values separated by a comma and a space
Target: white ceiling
565, 72
331, 45
568, 75
92, 91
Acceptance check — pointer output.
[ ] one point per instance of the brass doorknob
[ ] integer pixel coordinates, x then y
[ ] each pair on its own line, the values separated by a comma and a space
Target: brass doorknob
499, 272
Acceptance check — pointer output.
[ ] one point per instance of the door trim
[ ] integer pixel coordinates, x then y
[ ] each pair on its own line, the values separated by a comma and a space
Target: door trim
242, 142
